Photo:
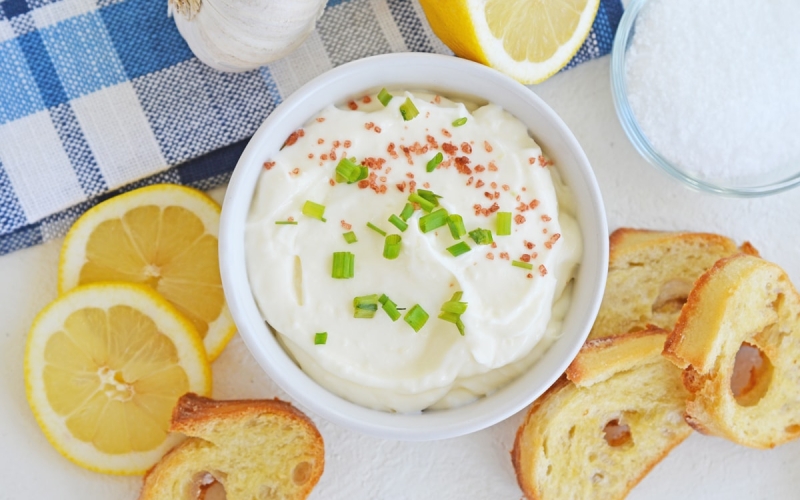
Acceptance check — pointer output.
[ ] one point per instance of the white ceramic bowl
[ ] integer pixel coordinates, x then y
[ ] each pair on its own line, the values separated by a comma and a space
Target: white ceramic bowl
447, 76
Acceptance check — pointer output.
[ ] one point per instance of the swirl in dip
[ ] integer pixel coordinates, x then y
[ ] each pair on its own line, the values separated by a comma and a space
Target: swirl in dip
490, 165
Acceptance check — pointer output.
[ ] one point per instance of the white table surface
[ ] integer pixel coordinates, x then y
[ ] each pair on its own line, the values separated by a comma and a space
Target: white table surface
476, 466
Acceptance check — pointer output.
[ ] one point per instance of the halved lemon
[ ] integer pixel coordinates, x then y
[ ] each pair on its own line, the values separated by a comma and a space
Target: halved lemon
529, 40
163, 236
104, 366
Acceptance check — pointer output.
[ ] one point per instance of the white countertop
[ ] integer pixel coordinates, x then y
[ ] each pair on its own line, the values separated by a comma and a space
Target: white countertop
476, 466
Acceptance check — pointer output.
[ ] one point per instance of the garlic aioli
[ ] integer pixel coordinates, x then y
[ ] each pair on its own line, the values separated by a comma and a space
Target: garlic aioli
490, 165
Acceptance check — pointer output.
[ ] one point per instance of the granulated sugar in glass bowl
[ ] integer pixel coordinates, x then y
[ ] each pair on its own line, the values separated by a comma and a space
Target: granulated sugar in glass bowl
710, 91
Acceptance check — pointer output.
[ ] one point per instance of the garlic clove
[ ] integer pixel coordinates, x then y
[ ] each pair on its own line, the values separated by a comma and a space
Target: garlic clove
240, 35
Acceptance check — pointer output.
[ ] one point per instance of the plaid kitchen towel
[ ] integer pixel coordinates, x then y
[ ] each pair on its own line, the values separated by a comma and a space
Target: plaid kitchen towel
102, 95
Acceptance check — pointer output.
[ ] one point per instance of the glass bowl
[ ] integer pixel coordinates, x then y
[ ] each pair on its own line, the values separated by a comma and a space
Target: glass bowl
777, 180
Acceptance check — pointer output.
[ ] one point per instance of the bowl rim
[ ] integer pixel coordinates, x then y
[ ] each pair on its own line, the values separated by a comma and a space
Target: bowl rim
619, 92
280, 367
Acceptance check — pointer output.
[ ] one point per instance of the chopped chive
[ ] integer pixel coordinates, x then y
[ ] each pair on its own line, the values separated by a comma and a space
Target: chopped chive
416, 317
398, 222
430, 196
408, 110
503, 223
455, 319
365, 306
452, 311
422, 202
458, 249
481, 236
376, 229
407, 212
314, 210
348, 170
391, 246
390, 307
460, 121
434, 162
343, 265
384, 96
523, 265
285, 222
350, 237
320, 338
454, 307
433, 220
456, 225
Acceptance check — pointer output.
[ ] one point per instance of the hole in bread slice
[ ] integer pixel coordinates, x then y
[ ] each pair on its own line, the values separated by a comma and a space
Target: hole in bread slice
214, 491
752, 374
672, 297
617, 434
301, 473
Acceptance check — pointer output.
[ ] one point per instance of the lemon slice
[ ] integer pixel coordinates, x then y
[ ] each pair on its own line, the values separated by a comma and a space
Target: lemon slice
163, 236
104, 366
529, 40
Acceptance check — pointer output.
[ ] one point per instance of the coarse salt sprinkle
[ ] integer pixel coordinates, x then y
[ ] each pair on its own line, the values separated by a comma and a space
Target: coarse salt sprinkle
714, 85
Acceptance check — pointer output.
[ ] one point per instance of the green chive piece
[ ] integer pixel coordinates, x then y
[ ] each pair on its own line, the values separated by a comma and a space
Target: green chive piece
460, 121
348, 170
456, 225
407, 212
430, 196
391, 246
285, 222
343, 265
365, 306
416, 317
376, 229
449, 317
398, 222
314, 210
390, 307
433, 220
434, 162
454, 307
458, 249
408, 110
320, 338
503, 223
455, 319
350, 237
422, 202
452, 311
481, 236
384, 96
523, 265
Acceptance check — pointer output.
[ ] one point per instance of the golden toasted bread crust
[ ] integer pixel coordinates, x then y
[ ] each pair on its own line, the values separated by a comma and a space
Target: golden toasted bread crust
253, 447
560, 450
741, 301
650, 274
192, 411
600, 358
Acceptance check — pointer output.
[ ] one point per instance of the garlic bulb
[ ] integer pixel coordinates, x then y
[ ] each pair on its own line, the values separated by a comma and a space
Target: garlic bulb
240, 35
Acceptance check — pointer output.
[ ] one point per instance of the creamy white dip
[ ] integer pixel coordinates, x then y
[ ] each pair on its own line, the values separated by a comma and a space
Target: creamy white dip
490, 165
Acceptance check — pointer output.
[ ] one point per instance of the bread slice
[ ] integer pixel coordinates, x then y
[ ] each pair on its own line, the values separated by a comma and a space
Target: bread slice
650, 274
601, 428
742, 307
260, 449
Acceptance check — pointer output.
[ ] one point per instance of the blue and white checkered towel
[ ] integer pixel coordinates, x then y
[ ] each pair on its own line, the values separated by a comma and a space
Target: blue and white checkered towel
98, 94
